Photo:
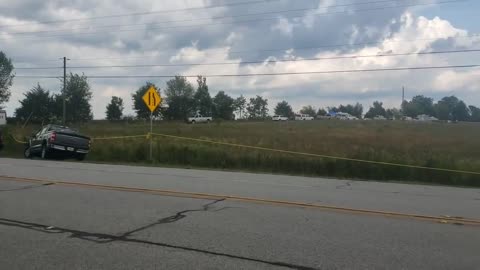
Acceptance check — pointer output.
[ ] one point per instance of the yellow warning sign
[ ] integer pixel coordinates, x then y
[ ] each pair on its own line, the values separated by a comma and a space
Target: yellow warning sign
152, 99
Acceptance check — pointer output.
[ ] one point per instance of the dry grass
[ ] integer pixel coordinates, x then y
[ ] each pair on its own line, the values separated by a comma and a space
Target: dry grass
452, 146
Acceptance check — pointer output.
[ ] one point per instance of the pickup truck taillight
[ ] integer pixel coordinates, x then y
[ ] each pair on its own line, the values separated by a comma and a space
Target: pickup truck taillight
53, 137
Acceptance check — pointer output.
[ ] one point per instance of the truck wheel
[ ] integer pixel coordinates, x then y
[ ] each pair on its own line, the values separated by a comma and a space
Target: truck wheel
80, 157
193, 122
27, 153
208, 121
44, 153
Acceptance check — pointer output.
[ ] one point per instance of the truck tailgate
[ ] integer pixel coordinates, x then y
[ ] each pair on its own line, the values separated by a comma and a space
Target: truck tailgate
72, 140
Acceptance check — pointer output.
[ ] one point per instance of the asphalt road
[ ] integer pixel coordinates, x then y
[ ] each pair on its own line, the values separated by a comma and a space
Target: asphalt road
53, 226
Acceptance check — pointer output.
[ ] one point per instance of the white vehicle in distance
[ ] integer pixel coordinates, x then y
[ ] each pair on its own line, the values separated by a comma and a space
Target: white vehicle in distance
199, 119
379, 117
279, 118
302, 117
345, 116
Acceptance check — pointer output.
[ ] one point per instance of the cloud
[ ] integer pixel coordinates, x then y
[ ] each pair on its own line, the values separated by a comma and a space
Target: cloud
196, 37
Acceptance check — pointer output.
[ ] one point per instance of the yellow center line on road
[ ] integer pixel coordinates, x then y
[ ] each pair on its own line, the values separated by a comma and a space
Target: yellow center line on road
197, 195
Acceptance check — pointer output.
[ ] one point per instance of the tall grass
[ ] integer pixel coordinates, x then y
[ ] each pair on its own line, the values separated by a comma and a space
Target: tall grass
443, 145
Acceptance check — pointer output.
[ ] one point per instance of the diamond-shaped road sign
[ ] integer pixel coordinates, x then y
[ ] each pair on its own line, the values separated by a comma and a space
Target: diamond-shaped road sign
152, 99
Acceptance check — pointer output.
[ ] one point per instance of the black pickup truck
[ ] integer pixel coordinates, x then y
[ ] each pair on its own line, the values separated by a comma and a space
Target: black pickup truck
57, 141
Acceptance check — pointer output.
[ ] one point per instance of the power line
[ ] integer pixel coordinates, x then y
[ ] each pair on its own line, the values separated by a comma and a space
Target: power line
260, 74
234, 22
207, 18
259, 62
139, 13
267, 50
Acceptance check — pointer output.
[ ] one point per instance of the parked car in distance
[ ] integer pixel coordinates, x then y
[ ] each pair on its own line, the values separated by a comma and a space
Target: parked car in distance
1, 139
279, 118
199, 119
302, 117
379, 117
344, 116
426, 118
55, 140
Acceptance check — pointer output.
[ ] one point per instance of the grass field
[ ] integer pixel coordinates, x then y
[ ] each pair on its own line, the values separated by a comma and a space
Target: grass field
443, 145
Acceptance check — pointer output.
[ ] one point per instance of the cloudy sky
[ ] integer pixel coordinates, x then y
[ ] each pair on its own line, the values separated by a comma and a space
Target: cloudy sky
176, 34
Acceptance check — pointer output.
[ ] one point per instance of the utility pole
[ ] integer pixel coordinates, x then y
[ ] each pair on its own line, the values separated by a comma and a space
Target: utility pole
64, 89
403, 94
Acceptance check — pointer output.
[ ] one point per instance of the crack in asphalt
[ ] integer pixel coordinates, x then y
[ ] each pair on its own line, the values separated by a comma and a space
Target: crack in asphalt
177, 217
102, 238
347, 185
27, 187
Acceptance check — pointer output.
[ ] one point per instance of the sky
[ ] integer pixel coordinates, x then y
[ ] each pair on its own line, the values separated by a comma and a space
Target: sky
279, 36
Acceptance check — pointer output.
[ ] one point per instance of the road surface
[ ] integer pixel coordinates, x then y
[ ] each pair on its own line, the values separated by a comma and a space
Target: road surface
59, 215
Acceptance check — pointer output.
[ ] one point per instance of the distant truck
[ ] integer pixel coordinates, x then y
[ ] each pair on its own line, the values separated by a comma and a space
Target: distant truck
199, 119
303, 117
279, 118
55, 140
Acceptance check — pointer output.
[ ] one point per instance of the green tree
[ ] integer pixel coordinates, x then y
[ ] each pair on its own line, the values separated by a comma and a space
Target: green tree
474, 113
115, 109
239, 105
6, 77
461, 112
179, 97
37, 105
393, 113
223, 106
309, 110
77, 100
139, 106
451, 108
257, 108
321, 112
203, 101
284, 109
376, 109
333, 109
355, 110
417, 106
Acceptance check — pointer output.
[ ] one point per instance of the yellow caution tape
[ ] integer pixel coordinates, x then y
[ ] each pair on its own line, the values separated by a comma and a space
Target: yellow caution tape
316, 155
149, 135
16, 140
117, 137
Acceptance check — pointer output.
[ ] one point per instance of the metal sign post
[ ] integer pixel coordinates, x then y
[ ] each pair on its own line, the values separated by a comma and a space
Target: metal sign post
152, 99
151, 137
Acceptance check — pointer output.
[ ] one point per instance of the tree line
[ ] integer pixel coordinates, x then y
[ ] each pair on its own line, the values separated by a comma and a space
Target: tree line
182, 99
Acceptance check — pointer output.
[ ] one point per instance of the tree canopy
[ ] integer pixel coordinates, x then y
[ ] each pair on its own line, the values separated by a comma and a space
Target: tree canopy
451, 108
77, 96
179, 97
203, 101
36, 106
376, 110
284, 109
474, 113
6, 77
223, 106
257, 108
115, 109
321, 112
417, 106
309, 110
239, 105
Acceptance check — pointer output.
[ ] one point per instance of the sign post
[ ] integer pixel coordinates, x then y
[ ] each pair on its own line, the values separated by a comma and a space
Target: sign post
152, 99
